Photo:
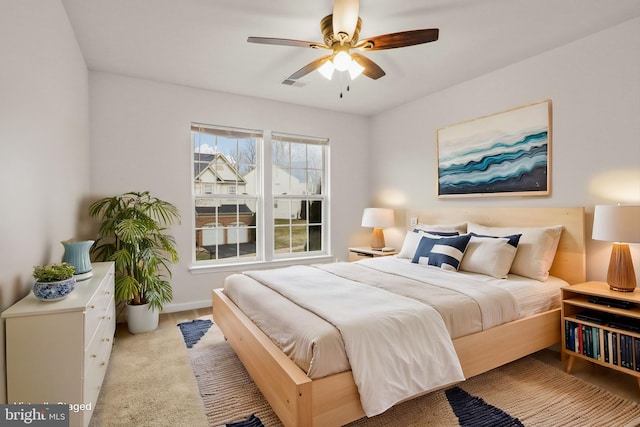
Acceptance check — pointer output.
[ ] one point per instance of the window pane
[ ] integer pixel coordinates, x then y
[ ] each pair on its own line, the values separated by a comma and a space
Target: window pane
295, 233
298, 155
226, 230
280, 153
314, 156
314, 182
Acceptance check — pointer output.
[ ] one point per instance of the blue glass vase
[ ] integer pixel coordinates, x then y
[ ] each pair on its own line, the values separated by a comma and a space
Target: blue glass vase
77, 254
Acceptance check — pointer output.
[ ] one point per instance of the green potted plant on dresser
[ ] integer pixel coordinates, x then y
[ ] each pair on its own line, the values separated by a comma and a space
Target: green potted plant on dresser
133, 235
53, 282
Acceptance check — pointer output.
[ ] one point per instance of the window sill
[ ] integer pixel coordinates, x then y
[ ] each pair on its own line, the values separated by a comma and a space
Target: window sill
255, 265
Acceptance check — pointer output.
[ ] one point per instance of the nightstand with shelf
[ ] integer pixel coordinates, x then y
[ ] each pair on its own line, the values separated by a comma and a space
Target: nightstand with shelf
603, 333
363, 252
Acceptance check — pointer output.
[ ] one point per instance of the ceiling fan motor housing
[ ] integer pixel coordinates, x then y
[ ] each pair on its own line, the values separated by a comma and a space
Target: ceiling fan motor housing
326, 26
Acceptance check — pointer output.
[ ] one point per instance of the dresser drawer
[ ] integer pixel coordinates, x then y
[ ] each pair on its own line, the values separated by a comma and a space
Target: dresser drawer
97, 359
98, 310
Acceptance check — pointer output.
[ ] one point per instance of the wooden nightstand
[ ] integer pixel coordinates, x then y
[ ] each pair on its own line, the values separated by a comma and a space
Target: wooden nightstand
606, 333
362, 252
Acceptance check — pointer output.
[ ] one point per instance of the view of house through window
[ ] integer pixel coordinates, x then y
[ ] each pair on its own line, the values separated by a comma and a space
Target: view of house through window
257, 196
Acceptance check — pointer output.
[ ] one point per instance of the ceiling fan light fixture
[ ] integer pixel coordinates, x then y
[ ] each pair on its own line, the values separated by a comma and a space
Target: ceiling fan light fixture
355, 69
327, 69
342, 61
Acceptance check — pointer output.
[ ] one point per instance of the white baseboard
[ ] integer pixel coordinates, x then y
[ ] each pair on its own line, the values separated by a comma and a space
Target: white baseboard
172, 307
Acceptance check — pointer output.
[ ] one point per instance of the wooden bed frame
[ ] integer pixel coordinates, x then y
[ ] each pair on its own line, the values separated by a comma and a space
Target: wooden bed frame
334, 400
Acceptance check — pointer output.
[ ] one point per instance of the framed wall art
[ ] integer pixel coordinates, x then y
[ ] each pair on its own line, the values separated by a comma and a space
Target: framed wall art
503, 154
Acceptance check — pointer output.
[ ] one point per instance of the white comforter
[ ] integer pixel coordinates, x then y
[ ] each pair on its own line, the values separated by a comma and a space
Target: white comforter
387, 367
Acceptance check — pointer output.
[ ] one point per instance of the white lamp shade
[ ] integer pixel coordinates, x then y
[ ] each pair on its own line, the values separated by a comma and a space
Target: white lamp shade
616, 223
355, 69
377, 218
327, 69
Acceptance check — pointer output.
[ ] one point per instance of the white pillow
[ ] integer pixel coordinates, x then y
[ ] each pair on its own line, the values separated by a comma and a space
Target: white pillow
411, 241
492, 256
536, 249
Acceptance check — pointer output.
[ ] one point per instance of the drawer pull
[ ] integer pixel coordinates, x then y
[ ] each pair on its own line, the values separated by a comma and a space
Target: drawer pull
93, 356
103, 363
92, 306
106, 339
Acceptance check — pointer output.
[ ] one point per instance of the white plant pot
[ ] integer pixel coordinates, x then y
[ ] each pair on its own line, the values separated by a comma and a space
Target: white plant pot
141, 319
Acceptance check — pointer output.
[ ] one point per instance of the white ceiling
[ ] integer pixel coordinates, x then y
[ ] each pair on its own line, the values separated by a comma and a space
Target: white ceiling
202, 43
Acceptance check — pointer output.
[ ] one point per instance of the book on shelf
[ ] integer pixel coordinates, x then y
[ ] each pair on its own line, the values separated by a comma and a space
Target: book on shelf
626, 351
580, 334
569, 340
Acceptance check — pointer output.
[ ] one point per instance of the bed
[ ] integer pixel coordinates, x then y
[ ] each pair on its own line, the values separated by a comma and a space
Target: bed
299, 400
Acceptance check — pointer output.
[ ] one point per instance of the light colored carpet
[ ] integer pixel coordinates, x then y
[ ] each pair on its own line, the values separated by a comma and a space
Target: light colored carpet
532, 391
150, 382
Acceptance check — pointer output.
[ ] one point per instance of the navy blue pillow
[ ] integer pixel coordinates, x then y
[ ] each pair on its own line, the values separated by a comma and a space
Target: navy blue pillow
437, 233
445, 253
514, 239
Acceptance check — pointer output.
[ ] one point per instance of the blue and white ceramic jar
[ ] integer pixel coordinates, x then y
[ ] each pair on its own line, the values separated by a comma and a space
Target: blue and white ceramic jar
54, 291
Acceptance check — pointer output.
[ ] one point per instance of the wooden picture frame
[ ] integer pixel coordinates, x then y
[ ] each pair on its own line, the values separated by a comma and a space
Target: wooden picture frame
503, 154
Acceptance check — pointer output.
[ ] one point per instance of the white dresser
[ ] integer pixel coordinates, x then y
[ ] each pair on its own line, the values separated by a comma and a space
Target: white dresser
59, 351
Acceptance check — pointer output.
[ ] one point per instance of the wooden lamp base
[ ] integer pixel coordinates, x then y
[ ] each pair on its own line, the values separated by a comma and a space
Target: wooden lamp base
377, 239
621, 276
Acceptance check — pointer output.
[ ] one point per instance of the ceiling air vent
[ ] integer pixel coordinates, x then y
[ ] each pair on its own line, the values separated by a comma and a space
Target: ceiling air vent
291, 82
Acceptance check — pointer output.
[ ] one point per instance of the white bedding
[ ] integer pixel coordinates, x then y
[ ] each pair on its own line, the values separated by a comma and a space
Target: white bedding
317, 346
374, 331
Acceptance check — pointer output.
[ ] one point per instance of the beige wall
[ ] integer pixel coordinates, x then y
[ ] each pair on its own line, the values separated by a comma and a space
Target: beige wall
140, 140
594, 86
44, 142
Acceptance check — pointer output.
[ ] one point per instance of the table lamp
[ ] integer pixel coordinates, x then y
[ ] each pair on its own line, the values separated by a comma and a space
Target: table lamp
378, 218
619, 224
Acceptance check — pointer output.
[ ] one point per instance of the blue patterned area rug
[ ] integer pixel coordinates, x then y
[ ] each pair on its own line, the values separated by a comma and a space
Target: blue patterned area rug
220, 398
526, 392
194, 330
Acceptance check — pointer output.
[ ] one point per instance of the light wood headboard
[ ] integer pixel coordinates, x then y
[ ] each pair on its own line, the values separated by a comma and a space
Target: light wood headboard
569, 263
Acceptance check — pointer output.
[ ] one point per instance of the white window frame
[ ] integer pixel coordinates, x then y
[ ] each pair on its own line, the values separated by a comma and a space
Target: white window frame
265, 252
323, 197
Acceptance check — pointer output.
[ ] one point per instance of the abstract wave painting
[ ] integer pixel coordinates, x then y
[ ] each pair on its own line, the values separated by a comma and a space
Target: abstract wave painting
504, 154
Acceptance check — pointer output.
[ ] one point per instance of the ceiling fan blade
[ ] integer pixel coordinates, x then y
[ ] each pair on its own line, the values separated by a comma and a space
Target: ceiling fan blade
312, 66
401, 39
371, 69
286, 42
345, 18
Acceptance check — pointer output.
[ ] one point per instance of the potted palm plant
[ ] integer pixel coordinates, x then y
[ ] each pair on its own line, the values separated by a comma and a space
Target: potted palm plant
133, 235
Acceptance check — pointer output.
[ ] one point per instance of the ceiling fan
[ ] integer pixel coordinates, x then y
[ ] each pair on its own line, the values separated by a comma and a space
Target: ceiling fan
341, 31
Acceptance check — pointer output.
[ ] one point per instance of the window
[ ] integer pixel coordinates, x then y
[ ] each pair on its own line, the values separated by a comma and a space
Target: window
258, 196
225, 192
298, 177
